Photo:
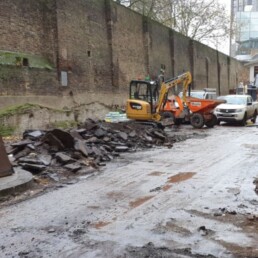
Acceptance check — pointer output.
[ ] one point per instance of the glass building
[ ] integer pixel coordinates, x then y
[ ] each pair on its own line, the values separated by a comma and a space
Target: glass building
245, 15
245, 47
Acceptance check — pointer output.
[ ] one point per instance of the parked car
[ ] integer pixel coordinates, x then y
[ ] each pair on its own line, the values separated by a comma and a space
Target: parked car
238, 109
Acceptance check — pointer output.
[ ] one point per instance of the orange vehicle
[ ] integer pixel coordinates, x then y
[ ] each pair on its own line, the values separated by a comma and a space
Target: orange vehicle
199, 113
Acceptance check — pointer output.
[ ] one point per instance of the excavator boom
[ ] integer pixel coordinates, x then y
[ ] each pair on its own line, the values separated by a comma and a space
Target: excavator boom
186, 78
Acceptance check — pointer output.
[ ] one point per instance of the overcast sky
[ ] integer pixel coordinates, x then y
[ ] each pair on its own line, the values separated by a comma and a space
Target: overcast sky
224, 47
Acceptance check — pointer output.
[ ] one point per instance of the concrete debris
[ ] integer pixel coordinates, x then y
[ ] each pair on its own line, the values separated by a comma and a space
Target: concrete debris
73, 167
253, 217
31, 134
223, 211
57, 154
63, 158
203, 231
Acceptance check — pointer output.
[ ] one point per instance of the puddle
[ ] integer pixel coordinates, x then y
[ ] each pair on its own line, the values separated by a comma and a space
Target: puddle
180, 177
130, 183
114, 195
166, 187
156, 173
100, 224
93, 207
234, 191
251, 146
140, 201
175, 228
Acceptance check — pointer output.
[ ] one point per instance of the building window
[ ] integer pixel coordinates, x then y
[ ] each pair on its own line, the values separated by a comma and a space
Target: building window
25, 62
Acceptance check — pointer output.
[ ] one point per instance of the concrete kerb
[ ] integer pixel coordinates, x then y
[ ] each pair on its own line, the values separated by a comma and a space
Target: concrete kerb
18, 182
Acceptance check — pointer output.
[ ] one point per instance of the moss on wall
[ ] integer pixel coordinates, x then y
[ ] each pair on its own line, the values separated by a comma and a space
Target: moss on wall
24, 59
64, 124
6, 130
14, 110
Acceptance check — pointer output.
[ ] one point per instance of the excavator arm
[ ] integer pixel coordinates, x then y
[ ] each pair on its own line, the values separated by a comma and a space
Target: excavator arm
186, 78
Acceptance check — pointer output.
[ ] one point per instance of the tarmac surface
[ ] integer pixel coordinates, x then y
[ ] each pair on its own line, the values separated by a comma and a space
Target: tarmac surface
196, 199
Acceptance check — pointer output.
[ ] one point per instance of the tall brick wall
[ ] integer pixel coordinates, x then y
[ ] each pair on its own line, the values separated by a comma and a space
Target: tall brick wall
28, 26
26, 82
84, 50
159, 49
127, 40
205, 67
182, 53
96, 47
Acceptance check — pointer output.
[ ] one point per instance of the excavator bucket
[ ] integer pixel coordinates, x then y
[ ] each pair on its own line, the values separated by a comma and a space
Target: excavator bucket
5, 165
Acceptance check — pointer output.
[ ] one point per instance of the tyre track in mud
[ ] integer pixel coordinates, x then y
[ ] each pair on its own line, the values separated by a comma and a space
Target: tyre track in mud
212, 189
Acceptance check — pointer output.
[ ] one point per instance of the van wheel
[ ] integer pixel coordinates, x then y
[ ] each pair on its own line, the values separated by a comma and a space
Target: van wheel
213, 121
254, 116
243, 122
197, 120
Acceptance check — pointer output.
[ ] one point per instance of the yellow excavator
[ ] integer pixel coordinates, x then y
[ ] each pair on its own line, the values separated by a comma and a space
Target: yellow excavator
146, 102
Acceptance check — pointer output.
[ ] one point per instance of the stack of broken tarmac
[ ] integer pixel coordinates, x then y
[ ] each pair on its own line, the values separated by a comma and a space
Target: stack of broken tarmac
82, 150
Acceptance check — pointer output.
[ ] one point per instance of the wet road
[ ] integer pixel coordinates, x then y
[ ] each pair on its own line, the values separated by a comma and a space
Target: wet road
196, 198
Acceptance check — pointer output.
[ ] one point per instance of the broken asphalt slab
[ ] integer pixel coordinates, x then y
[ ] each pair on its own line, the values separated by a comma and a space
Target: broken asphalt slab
19, 181
56, 156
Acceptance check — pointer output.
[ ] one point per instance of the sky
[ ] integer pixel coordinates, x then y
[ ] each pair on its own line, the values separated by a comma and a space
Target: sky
224, 46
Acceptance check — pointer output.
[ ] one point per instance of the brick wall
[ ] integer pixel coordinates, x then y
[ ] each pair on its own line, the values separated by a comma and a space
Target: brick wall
84, 50
100, 46
28, 26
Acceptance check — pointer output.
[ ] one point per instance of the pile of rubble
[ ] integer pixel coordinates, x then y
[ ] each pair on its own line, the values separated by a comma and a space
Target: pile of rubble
57, 154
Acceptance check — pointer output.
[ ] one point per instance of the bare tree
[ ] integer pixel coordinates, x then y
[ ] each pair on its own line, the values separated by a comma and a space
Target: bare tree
148, 8
201, 20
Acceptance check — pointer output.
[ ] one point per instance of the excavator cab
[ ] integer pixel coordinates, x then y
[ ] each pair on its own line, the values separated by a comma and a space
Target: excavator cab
143, 96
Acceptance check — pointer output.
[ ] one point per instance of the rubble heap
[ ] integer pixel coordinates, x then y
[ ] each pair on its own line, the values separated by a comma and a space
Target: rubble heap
57, 154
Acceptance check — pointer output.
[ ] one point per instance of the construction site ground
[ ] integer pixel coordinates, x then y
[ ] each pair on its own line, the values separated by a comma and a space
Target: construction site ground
195, 199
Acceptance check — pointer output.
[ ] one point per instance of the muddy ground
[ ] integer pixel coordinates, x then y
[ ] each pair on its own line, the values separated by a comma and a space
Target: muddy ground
194, 199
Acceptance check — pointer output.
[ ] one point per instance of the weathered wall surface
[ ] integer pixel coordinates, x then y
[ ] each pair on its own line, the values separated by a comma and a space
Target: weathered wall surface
127, 40
27, 31
84, 50
205, 63
182, 53
159, 48
28, 26
72, 53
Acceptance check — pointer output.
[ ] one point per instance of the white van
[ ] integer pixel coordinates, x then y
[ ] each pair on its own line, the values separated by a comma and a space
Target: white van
206, 93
